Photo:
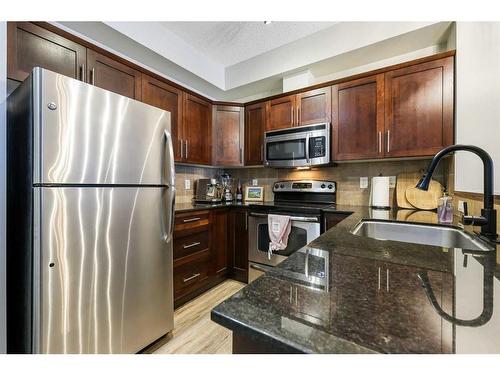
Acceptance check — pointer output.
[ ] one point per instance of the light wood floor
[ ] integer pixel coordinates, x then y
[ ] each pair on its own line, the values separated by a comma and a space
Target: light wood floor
194, 332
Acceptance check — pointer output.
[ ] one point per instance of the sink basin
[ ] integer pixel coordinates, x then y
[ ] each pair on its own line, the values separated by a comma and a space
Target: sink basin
433, 235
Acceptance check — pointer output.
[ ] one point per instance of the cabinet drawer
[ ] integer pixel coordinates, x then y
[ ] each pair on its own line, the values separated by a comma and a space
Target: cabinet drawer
191, 274
187, 245
190, 223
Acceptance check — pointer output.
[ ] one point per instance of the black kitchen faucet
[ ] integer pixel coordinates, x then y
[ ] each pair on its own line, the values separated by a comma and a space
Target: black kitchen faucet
488, 219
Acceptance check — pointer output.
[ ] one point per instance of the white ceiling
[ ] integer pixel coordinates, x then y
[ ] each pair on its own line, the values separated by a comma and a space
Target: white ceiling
195, 54
228, 43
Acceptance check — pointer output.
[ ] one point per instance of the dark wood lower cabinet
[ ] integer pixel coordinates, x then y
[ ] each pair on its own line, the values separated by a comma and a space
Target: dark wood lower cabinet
238, 244
218, 241
209, 246
332, 219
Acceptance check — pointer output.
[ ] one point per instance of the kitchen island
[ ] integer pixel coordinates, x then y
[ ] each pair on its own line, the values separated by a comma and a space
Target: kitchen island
345, 293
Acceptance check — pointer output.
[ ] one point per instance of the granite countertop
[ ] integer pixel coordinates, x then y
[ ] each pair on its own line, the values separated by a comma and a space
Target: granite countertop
350, 294
190, 206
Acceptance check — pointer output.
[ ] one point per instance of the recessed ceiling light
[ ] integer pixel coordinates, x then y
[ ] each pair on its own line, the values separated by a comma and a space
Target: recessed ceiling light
267, 22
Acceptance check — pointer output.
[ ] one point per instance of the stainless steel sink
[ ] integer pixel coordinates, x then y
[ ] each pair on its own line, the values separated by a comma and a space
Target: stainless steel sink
433, 235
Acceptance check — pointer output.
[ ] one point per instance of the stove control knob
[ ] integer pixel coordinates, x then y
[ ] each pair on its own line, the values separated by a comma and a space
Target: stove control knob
282, 186
276, 186
323, 186
330, 186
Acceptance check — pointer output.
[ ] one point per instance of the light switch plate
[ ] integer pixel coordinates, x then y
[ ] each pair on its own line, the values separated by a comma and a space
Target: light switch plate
187, 184
363, 182
461, 206
255, 182
392, 182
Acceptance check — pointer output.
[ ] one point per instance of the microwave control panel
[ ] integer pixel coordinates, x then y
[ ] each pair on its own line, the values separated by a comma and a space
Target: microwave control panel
317, 147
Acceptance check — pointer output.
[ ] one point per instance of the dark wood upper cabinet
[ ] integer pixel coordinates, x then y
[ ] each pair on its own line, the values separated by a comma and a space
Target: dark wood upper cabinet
197, 130
255, 126
159, 94
419, 108
310, 107
29, 46
281, 113
112, 75
228, 130
314, 106
358, 119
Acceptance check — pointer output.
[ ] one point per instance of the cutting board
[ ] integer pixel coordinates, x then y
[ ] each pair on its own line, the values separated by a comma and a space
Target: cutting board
423, 217
425, 199
404, 181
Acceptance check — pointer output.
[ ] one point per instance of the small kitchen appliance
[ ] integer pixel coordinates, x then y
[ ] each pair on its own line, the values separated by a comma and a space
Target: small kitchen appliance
208, 190
302, 146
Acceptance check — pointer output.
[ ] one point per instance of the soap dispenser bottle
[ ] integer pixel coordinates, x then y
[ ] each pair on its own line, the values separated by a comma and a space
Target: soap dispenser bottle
445, 209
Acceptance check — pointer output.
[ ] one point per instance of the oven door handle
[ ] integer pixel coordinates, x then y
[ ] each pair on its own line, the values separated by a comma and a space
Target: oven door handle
257, 214
292, 218
260, 267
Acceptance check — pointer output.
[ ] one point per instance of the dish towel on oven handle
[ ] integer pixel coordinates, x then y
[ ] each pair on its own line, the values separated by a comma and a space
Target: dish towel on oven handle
279, 227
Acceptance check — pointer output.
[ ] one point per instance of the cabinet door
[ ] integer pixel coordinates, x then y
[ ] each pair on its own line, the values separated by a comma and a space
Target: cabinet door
169, 98
255, 126
218, 241
197, 124
228, 140
419, 108
112, 75
29, 45
314, 106
238, 243
332, 219
358, 119
281, 113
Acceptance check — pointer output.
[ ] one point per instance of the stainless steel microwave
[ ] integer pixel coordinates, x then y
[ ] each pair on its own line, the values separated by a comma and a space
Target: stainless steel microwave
302, 146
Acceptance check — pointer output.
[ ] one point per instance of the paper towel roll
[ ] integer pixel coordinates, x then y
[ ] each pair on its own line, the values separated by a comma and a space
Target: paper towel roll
380, 192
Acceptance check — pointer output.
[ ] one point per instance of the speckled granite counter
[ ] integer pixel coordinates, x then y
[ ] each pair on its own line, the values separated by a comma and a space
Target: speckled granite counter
186, 207
350, 294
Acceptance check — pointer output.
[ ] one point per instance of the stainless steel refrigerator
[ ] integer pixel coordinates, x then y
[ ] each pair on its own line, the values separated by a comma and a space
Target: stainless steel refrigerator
90, 218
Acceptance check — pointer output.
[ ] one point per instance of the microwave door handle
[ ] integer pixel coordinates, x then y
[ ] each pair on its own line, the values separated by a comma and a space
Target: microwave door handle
307, 148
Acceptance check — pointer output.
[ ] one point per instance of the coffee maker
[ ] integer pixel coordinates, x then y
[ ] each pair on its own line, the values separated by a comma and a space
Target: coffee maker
207, 190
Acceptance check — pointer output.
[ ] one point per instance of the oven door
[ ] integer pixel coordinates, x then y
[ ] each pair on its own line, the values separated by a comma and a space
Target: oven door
303, 231
297, 147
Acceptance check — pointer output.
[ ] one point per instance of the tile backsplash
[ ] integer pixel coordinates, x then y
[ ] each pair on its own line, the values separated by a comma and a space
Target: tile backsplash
346, 175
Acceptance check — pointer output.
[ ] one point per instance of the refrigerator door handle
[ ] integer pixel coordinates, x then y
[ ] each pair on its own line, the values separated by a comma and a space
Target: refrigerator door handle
168, 178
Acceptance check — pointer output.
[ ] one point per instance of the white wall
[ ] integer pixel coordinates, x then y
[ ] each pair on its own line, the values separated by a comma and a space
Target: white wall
477, 105
3, 90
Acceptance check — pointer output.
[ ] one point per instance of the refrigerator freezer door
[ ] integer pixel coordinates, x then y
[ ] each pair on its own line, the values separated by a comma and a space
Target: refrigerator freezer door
87, 135
105, 269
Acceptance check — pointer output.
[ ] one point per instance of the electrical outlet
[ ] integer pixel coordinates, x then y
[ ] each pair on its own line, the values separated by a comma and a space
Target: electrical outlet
187, 184
255, 182
461, 207
363, 182
392, 181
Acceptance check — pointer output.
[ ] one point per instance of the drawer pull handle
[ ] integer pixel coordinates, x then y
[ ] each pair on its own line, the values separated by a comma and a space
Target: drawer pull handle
190, 278
192, 219
191, 245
